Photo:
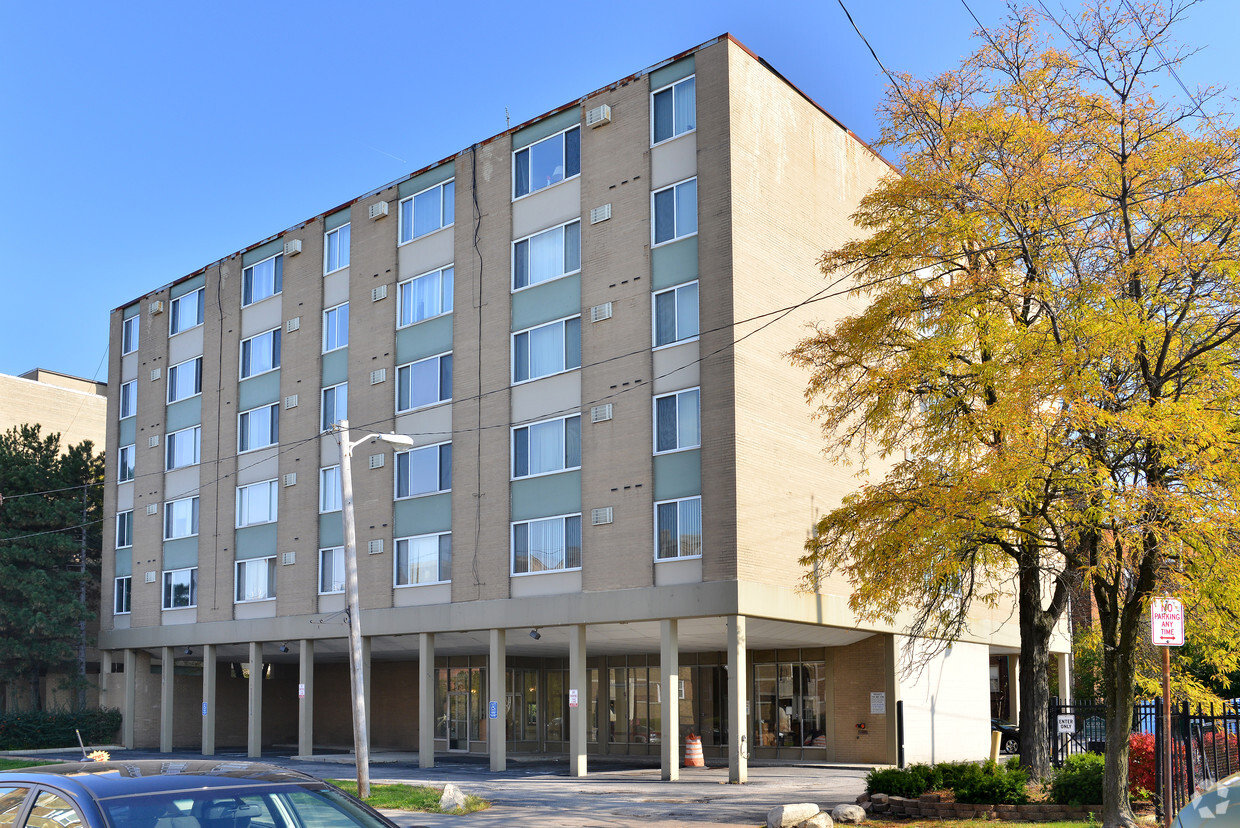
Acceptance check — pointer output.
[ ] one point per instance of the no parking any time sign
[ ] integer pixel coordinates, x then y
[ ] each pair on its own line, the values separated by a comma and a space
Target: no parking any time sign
1167, 622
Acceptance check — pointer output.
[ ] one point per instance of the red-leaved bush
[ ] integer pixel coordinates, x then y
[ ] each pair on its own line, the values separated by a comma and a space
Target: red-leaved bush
1141, 761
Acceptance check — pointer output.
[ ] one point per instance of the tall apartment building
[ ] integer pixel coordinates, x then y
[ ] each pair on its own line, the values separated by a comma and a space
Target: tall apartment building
592, 546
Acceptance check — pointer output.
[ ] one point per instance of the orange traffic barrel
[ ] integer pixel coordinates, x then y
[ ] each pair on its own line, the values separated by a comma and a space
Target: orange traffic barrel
693, 752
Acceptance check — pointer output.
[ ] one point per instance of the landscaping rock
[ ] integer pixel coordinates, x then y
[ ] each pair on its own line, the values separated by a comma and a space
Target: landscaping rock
930, 798
819, 820
788, 816
453, 798
864, 798
848, 814
879, 799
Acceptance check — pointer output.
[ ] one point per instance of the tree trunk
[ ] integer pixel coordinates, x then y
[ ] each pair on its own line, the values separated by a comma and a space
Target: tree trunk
1119, 630
36, 703
1035, 749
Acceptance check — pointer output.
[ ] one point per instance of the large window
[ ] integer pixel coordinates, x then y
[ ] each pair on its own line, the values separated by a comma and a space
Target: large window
180, 588
336, 327
678, 421
331, 570
546, 545
336, 249
260, 354
256, 579
676, 314
258, 281
672, 110
547, 255
186, 312
181, 518
427, 211
335, 405
329, 489
124, 463
675, 212
547, 349
129, 335
129, 399
122, 595
551, 446
424, 296
546, 162
258, 427
425, 470
124, 529
185, 379
183, 448
425, 382
426, 559
678, 528
256, 503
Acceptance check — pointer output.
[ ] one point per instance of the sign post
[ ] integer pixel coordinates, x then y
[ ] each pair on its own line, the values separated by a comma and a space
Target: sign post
1167, 631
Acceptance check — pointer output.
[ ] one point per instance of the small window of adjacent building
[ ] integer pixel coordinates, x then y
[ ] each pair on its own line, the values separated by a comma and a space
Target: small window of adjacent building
547, 349
549, 161
263, 279
257, 503
181, 518
181, 588
185, 312
673, 110
185, 380
424, 296
129, 399
129, 335
329, 489
676, 314
260, 354
547, 545
425, 470
258, 427
125, 463
331, 570
677, 421
336, 249
425, 382
546, 447
336, 327
122, 595
425, 212
183, 448
675, 212
335, 405
124, 529
256, 579
425, 559
678, 528
547, 255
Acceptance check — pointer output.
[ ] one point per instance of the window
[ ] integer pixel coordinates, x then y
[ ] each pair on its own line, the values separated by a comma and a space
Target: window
427, 211
546, 545
258, 427
676, 314
180, 588
256, 579
335, 405
672, 110
258, 281
186, 312
256, 503
181, 518
677, 421
423, 560
331, 570
129, 399
124, 464
425, 382
678, 529
547, 162
336, 249
336, 327
122, 595
185, 379
129, 335
424, 470
260, 354
551, 446
424, 296
675, 212
329, 489
545, 350
547, 255
183, 448
124, 529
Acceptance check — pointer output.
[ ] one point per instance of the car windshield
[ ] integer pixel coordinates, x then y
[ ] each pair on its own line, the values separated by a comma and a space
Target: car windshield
245, 807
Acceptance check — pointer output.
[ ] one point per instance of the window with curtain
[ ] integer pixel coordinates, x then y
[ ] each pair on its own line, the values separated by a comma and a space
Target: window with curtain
546, 162
263, 279
258, 427
181, 518
257, 503
256, 579
260, 354
674, 110
675, 212
336, 248
184, 380
183, 448
677, 421
425, 470
185, 312
432, 209
331, 570
426, 559
425, 382
336, 327
424, 296
546, 545
547, 255
329, 489
547, 349
676, 314
551, 446
678, 528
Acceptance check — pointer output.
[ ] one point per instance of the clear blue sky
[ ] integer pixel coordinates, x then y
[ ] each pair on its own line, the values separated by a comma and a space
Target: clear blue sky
142, 140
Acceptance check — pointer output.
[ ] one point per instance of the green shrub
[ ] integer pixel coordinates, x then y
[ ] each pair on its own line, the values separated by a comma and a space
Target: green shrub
34, 729
991, 784
906, 782
1079, 782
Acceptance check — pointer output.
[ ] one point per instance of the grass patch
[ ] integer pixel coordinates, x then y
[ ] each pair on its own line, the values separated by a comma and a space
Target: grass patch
14, 764
422, 798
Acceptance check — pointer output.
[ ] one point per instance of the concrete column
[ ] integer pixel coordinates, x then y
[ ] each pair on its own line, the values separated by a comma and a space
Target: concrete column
129, 712
1014, 688
105, 678
497, 669
167, 678
892, 688
738, 702
255, 737
1064, 661
305, 698
669, 666
209, 676
426, 700
370, 711
577, 716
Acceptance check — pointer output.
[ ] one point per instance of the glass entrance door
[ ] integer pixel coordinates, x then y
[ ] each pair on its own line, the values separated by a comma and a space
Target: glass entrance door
458, 721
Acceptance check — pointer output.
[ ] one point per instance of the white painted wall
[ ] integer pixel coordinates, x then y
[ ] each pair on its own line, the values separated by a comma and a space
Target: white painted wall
947, 706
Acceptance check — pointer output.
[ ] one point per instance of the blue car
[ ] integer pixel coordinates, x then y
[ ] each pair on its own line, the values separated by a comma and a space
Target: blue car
204, 793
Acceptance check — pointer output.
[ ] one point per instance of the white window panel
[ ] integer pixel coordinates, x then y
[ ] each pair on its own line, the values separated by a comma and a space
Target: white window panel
129, 334
122, 595
425, 382
676, 314
675, 212
331, 570
260, 354
181, 518
258, 427
425, 470
180, 588
128, 399
336, 249
262, 279
546, 350
547, 255
425, 212
424, 296
546, 447
257, 503
185, 380
183, 448
678, 528
186, 312
124, 529
256, 579
425, 559
329, 489
336, 327
335, 405
125, 463
546, 162
673, 110
546, 545
678, 421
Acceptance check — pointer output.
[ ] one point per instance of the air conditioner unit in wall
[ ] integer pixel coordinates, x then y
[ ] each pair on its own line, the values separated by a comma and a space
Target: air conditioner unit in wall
156, 307
598, 116
292, 247
378, 210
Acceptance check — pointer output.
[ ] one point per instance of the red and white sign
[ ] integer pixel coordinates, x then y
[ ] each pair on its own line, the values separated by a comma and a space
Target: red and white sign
572, 698
1167, 622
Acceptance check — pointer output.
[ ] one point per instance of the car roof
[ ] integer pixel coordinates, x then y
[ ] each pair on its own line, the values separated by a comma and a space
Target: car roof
102, 780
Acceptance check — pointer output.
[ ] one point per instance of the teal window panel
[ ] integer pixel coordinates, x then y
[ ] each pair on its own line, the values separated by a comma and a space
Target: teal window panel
425, 339
256, 391
184, 414
263, 251
674, 264
124, 562
678, 474
547, 126
131, 311
551, 494
335, 367
337, 219
188, 286
127, 432
671, 73
256, 541
331, 530
546, 302
430, 178
181, 553
421, 515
